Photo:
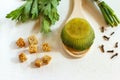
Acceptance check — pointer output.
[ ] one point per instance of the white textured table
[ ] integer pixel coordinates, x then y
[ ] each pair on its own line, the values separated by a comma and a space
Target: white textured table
94, 66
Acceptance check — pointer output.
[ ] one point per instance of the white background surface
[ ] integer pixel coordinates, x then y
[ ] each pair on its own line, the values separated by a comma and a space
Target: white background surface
94, 66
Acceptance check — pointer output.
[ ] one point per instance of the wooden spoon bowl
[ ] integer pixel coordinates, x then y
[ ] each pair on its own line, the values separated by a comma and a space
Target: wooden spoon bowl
76, 13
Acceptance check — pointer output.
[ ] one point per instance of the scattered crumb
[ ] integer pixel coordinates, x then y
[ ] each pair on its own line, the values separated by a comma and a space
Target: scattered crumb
20, 42
32, 40
33, 48
46, 47
22, 57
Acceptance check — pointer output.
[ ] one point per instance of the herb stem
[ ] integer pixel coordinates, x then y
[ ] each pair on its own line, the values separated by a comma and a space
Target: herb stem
108, 13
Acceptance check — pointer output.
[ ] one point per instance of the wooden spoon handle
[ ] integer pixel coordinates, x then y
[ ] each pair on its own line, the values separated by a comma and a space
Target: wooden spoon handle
77, 10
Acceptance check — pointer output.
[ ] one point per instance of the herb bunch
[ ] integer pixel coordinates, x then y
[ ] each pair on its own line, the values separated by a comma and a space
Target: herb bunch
34, 9
108, 14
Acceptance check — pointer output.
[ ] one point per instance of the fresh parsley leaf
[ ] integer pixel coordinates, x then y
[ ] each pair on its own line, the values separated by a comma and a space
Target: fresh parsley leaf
35, 10
49, 9
45, 25
32, 9
27, 10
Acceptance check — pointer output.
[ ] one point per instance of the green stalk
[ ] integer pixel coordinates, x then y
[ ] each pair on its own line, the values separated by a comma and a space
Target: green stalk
104, 14
109, 16
108, 13
117, 19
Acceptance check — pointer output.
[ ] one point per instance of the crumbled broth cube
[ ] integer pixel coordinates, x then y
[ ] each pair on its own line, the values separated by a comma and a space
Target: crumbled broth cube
38, 62
46, 59
33, 40
20, 42
33, 48
22, 57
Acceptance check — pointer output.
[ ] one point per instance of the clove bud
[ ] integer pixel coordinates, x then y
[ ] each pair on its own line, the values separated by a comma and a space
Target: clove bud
102, 48
116, 54
106, 38
110, 51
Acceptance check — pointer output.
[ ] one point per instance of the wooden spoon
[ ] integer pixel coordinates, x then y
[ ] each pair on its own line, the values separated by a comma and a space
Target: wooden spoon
77, 8
76, 13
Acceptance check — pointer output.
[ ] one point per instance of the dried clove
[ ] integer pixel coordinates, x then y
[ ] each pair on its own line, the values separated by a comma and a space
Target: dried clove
112, 33
102, 29
106, 38
116, 54
116, 45
102, 48
110, 51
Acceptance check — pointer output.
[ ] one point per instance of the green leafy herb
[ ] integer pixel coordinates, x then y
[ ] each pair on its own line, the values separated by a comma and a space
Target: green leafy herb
33, 9
108, 13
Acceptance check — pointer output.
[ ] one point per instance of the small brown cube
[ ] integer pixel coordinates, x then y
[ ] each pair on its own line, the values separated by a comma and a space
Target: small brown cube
46, 59
46, 47
20, 42
38, 62
22, 57
33, 40
33, 48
